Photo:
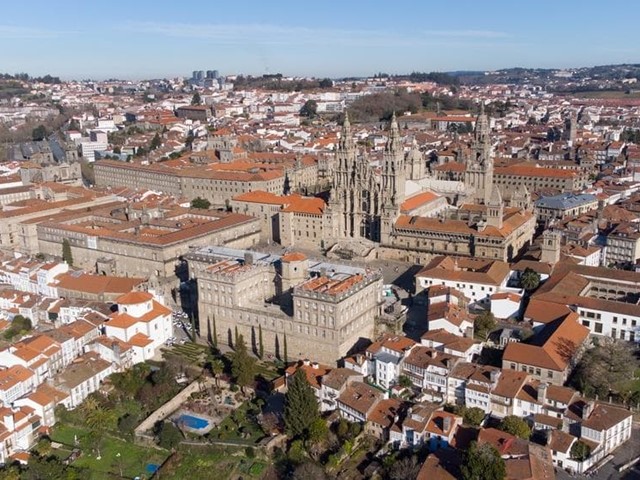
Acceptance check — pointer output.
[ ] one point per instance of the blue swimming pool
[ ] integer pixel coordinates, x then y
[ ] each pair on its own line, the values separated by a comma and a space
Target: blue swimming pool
190, 421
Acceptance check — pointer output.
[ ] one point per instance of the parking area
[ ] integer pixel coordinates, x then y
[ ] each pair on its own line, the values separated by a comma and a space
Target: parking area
181, 329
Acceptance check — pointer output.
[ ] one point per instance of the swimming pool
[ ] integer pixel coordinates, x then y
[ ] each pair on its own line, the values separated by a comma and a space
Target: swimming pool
190, 421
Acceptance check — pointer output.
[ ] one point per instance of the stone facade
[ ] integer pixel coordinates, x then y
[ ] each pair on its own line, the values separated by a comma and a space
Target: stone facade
321, 308
120, 241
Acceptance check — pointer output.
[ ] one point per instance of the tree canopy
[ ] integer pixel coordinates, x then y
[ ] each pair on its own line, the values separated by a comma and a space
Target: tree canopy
606, 368
242, 364
196, 99
309, 109
580, 451
67, 256
483, 462
200, 202
515, 426
530, 279
300, 405
484, 324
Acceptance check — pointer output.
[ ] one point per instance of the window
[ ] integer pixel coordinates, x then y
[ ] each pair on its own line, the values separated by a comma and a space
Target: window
598, 327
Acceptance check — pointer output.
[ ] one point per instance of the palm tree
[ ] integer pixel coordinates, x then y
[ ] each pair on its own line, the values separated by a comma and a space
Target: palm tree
217, 367
530, 279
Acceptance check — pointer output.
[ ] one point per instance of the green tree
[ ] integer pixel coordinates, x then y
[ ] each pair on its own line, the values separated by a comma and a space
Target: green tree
127, 424
214, 334
48, 468
285, 357
309, 109
196, 100
217, 367
200, 202
606, 368
243, 365
405, 468
580, 451
515, 426
484, 324
308, 471
483, 462
342, 429
169, 436
67, 256
39, 133
260, 342
318, 431
473, 416
404, 381
297, 453
300, 405
530, 279
156, 142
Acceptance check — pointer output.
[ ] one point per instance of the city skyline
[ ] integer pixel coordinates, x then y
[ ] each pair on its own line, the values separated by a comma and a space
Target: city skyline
142, 40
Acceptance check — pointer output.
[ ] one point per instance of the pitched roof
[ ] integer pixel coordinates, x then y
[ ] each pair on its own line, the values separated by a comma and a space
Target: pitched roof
134, 298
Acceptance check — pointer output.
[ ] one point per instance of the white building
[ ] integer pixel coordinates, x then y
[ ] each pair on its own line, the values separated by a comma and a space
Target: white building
142, 322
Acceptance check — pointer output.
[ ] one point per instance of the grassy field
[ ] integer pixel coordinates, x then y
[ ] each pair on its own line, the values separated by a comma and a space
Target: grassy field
117, 457
220, 463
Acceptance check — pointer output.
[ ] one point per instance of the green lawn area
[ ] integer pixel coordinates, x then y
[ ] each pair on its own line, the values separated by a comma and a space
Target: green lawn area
201, 464
116, 454
192, 352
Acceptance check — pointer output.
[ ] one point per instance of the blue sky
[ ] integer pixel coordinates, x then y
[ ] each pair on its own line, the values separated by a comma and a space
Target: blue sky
143, 39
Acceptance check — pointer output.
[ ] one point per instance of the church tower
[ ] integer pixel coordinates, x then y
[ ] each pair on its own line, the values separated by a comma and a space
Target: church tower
393, 169
355, 195
479, 168
415, 162
551, 247
393, 181
495, 209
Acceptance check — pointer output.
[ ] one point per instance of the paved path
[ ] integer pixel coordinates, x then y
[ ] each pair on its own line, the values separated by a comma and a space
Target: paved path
172, 405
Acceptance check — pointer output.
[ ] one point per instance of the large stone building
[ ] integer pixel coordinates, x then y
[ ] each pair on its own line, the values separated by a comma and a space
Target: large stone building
122, 240
296, 304
368, 206
203, 174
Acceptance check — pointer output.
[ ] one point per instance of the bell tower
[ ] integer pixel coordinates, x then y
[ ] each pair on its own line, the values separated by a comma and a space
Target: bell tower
479, 168
551, 247
393, 181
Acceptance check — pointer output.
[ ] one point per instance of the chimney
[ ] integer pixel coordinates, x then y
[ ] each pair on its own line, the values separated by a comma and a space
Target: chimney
587, 409
494, 375
306, 362
542, 393
315, 365
248, 258
9, 421
446, 424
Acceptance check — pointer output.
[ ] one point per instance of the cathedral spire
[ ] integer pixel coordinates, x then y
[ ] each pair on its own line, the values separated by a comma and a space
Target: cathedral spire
481, 132
393, 143
346, 142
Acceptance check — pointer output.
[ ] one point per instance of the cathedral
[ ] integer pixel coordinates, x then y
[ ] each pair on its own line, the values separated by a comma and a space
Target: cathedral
365, 204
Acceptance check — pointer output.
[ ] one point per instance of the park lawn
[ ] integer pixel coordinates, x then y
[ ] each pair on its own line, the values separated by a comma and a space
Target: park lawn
132, 459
